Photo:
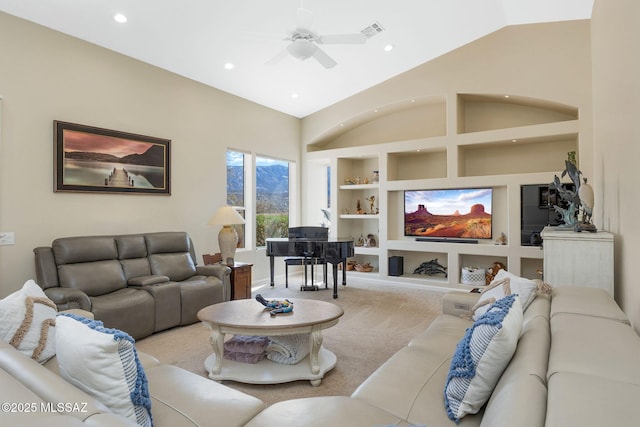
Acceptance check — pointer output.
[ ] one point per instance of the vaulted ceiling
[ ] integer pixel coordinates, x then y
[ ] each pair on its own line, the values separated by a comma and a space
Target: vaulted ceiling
239, 46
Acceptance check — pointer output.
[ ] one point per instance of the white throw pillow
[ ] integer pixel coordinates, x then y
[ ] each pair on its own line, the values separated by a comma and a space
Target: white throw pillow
481, 356
503, 284
104, 364
27, 320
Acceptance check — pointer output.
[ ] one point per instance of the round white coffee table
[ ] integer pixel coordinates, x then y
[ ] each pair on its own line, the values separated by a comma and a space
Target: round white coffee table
248, 317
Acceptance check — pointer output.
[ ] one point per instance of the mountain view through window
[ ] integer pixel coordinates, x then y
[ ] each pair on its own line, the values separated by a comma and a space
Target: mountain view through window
272, 199
272, 194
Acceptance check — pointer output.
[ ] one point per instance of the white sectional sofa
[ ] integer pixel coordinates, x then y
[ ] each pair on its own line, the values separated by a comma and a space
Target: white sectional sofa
577, 363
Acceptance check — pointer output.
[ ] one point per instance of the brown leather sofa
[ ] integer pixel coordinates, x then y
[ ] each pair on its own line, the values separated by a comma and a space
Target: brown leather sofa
139, 283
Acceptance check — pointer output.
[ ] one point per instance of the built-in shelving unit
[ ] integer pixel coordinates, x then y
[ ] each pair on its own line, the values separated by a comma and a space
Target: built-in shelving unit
490, 141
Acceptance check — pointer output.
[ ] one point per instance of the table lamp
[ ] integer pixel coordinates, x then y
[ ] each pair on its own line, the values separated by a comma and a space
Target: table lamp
227, 237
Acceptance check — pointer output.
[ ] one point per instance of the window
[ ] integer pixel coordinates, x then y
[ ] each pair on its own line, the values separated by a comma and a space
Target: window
236, 189
269, 210
326, 215
272, 199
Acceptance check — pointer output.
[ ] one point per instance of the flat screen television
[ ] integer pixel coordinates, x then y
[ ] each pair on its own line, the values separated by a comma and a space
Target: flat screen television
457, 213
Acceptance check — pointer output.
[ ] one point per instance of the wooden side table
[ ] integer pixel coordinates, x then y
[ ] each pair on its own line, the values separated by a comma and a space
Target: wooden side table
241, 280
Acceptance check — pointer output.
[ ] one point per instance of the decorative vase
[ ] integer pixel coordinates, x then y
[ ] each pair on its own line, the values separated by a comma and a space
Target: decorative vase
228, 241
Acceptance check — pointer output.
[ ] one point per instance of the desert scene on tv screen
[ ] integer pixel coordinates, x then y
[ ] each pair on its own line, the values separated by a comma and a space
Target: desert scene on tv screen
463, 213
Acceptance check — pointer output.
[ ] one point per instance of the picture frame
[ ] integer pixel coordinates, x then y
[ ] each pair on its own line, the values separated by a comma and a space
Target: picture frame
97, 160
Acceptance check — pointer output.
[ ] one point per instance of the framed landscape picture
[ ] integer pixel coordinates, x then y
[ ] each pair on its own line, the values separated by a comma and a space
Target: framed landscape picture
91, 159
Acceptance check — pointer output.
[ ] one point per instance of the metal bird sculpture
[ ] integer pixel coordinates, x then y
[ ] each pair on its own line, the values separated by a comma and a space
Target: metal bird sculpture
570, 196
580, 200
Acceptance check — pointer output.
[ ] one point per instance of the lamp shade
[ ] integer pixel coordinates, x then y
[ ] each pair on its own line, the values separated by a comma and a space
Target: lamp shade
226, 215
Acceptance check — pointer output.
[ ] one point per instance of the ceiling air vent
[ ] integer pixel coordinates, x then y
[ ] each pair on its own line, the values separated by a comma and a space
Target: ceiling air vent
372, 30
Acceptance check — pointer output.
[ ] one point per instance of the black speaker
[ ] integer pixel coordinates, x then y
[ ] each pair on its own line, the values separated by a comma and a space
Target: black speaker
396, 266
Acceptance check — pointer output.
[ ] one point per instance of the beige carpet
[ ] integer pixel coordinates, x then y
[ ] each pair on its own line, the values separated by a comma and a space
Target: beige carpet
378, 320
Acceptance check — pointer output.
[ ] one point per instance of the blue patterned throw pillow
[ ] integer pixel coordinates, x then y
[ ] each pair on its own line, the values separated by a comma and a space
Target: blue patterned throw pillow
481, 356
103, 363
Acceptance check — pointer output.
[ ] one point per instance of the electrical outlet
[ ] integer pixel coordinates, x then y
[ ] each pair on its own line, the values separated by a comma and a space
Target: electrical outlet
7, 238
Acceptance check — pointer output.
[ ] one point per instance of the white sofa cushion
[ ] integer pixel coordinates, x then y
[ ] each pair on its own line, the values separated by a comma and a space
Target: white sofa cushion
27, 320
585, 301
322, 411
103, 363
481, 357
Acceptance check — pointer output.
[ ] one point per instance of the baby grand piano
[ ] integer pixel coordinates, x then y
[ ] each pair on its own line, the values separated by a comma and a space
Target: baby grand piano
312, 243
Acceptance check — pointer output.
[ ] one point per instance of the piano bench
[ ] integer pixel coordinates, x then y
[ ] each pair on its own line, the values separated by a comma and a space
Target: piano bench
306, 262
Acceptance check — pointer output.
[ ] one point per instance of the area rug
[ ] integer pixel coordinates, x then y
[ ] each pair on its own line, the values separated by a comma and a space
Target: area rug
378, 320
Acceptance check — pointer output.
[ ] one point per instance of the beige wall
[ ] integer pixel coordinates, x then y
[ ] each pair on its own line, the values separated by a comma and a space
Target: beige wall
46, 76
616, 106
545, 61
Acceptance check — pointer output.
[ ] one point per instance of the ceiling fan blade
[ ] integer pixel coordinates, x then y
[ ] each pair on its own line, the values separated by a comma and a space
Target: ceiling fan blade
279, 57
304, 20
357, 38
324, 59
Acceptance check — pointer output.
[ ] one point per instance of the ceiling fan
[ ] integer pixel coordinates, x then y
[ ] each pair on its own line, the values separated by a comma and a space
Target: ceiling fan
304, 42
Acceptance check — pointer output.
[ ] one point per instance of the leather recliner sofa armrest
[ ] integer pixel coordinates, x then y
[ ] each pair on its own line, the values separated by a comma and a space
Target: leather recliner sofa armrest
221, 271
150, 280
68, 298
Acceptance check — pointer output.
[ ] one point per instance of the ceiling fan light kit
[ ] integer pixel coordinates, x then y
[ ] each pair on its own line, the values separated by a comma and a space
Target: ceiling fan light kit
304, 42
302, 49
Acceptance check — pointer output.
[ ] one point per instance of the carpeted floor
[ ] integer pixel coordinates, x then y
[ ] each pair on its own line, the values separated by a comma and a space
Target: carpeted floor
378, 320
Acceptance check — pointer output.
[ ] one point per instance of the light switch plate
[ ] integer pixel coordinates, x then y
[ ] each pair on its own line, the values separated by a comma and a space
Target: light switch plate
7, 238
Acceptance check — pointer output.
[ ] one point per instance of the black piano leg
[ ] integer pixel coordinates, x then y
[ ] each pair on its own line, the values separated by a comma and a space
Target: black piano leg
271, 270
344, 272
324, 275
335, 280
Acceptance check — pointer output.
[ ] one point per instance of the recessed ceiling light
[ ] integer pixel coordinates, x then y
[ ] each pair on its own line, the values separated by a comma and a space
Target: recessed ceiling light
514, 140
388, 48
120, 18
506, 96
294, 95
229, 66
